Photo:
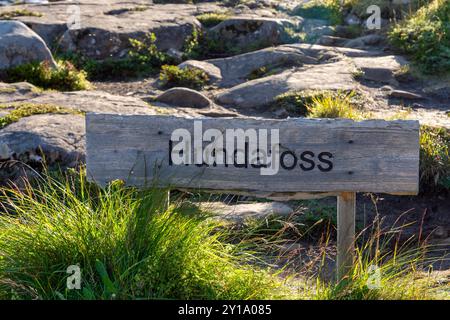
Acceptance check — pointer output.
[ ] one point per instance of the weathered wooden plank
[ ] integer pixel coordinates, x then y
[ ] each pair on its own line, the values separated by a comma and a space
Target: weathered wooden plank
367, 156
346, 214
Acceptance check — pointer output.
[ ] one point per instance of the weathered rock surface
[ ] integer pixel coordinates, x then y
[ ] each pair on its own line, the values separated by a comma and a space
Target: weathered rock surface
252, 32
364, 41
105, 28
19, 44
261, 92
85, 101
380, 69
316, 28
184, 97
236, 69
59, 137
213, 72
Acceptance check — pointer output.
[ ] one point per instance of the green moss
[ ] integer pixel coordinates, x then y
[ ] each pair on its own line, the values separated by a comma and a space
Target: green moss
426, 36
21, 110
434, 159
65, 77
172, 76
8, 15
212, 19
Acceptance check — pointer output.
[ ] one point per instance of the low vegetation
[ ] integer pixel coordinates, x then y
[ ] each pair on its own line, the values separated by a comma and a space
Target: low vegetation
16, 111
201, 46
212, 19
63, 77
8, 15
330, 10
173, 76
143, 58
425, 35
434, 159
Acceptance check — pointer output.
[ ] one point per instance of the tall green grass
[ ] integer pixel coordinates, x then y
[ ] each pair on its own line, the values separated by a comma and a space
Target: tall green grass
132, 244
128, 244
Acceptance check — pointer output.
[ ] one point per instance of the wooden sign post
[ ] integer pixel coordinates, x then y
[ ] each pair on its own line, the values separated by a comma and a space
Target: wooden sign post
275, 159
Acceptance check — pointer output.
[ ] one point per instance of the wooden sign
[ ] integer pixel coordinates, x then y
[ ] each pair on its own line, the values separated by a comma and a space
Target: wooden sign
287, 159
323, 155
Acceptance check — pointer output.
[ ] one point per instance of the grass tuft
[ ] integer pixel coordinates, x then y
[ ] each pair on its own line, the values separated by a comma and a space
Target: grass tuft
128, 244
173, 76
212, 19
333, 106
321, 103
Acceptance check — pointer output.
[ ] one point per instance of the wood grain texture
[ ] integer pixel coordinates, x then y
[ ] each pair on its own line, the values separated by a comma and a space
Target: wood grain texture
346, 219
368, 156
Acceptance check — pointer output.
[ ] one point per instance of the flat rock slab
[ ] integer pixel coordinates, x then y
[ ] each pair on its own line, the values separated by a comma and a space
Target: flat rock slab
380, 69
85, 101
240, 212
261, 92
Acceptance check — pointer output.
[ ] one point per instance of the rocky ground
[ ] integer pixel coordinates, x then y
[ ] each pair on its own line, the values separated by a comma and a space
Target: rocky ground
333, 61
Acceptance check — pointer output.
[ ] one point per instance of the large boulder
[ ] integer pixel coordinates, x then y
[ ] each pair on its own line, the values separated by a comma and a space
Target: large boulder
19, 45
247, 33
